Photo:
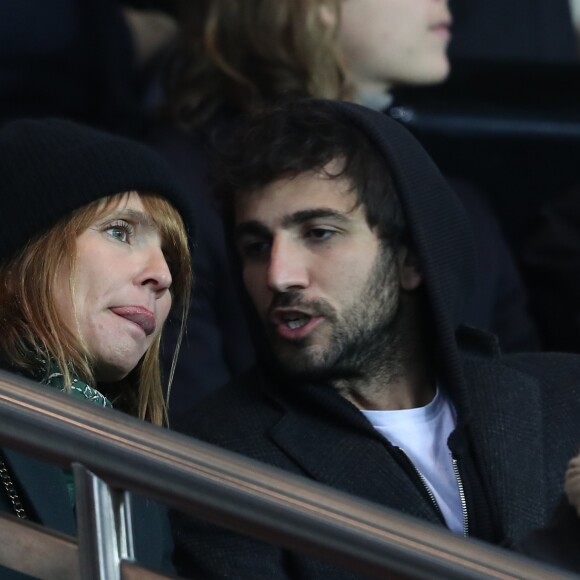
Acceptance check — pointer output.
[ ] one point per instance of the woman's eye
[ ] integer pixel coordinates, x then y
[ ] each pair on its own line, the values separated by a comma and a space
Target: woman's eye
121, 231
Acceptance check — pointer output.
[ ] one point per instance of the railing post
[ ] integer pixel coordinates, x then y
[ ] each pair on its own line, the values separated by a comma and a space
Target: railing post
105, 533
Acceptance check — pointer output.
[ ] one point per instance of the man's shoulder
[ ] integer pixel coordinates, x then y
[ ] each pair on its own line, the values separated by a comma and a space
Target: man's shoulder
553, 375
241, 405
556, 368
241, 417
480, 349
543, 360
550, 372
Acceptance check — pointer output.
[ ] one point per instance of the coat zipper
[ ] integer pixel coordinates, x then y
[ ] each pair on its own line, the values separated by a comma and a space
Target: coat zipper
461, 496
432, 497
423, 482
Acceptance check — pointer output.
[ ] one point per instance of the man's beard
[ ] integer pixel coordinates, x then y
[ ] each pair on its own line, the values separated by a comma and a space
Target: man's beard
365, 341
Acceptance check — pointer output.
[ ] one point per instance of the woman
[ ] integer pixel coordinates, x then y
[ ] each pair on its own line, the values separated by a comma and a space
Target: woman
93, 256
237, 56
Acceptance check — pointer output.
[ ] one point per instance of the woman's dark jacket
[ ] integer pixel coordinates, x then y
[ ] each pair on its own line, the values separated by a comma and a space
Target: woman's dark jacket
43, 488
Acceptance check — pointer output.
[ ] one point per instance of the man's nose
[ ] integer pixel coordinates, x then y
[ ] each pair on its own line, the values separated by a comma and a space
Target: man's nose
287, 268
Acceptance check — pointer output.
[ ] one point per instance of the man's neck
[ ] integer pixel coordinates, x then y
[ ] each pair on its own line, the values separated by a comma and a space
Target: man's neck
407, 391
403, 379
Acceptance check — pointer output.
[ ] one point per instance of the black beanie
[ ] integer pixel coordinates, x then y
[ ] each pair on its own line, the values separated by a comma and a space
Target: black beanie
50, 167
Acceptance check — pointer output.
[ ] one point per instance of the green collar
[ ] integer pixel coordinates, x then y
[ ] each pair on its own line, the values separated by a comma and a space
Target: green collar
78, 388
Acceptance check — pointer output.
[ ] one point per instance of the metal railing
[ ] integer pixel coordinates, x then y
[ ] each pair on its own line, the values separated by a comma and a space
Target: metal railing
112, 452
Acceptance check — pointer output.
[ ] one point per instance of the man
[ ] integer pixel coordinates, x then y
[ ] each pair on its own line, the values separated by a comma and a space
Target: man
357, 259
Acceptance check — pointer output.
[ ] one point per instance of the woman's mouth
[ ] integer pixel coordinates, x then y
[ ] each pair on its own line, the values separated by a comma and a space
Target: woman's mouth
442, 29
138, 315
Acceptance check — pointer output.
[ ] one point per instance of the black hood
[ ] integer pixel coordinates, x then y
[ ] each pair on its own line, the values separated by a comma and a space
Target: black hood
438, 226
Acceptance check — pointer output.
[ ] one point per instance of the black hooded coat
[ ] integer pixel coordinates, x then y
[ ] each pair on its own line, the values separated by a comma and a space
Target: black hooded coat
517, 414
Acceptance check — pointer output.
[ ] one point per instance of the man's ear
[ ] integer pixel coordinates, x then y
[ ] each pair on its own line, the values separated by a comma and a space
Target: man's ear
409, 275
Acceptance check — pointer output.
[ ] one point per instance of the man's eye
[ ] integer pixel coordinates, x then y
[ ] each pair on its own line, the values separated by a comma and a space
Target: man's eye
256, 249
321, 234
121, 231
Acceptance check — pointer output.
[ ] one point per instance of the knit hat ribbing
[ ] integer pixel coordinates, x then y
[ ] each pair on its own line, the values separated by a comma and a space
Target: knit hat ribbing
51, 167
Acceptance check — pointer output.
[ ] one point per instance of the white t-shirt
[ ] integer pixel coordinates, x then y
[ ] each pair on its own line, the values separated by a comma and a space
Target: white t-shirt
422, 434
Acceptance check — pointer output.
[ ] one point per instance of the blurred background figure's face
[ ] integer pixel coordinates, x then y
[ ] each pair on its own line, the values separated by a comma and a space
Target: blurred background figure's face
386, 43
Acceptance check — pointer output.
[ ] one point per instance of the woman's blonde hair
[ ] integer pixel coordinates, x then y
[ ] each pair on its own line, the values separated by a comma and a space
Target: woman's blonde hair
33, 332
247, 53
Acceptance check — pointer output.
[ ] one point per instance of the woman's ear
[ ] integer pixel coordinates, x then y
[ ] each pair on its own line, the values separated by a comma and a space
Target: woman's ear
409, 275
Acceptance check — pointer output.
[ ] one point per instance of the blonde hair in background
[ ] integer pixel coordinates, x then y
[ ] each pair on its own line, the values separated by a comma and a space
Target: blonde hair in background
32, 331
247, 53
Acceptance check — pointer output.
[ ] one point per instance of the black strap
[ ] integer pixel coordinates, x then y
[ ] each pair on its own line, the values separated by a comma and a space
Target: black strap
10, 488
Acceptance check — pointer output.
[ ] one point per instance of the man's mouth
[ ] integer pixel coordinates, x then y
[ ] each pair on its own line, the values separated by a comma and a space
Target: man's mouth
297, 322
292, 324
